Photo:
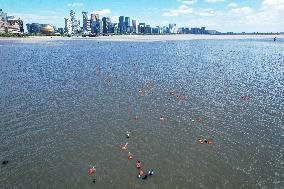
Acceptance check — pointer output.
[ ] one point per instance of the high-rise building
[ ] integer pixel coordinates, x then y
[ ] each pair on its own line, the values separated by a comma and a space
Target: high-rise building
68, 26
74, 22
121, 24
202, 30
3, 22
106, 24
15, 25
148, 29
172, 28
127, 24
85, 21
10, 24
195, 31
141, 28
115, 28
60, 30
135, 26
95, 24
157, 30
186, 30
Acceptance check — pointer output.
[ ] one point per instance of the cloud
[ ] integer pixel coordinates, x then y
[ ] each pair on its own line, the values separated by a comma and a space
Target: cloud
241, 11
187, 2
183, 9
75, 4
37, 18
214, 1
232, 5
102, 12
272, 2
208, 12
270, 16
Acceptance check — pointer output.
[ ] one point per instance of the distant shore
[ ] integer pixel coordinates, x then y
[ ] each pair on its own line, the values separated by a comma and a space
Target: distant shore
177, 37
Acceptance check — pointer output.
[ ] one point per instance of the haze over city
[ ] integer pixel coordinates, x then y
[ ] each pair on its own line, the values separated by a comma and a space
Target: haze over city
222, 15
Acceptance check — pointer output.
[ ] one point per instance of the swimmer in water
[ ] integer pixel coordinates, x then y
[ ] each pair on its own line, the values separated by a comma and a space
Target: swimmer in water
127, 134
136, 118
124, 147
162, 119
200, 140
5, 162
138, 164
130, 156
151, 172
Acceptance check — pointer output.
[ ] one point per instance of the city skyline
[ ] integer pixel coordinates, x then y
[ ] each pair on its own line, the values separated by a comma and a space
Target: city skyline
222, 15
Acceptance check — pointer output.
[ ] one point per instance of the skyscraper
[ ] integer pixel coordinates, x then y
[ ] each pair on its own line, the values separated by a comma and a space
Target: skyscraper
135, 26
172, 28
121, 24
106, 24
3, 22
15, 25
68, 25
10, 24
74, 22
141, 28
95, 24
85, 21
127, 24
148, 29
202, 30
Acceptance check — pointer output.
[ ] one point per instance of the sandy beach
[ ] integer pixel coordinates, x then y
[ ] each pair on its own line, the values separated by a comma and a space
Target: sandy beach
178, 37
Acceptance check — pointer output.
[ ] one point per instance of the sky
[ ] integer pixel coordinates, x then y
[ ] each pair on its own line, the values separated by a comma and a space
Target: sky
221, 15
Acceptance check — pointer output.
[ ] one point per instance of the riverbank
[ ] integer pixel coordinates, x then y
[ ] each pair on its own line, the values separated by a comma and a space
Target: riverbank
178, 37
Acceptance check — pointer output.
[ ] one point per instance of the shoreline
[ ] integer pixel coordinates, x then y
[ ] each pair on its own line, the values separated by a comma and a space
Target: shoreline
173, 37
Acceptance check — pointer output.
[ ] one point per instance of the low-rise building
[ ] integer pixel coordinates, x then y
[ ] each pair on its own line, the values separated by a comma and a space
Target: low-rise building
9, 24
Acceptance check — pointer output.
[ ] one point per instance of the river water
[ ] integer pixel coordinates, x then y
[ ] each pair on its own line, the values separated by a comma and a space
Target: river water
66, 105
